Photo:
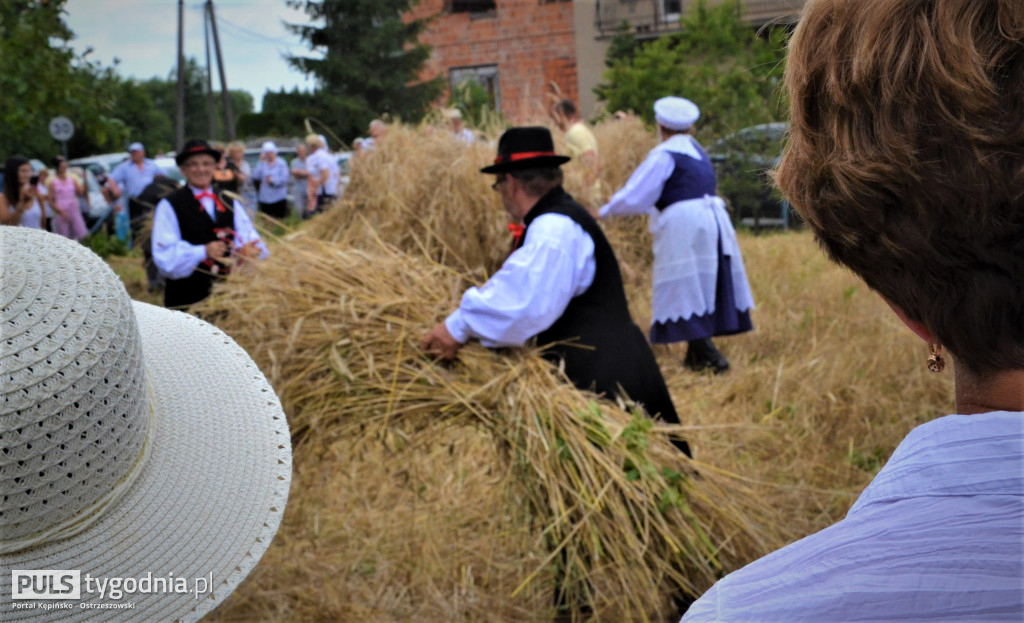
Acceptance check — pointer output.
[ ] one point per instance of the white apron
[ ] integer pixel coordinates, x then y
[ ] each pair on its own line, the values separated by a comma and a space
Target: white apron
686, 236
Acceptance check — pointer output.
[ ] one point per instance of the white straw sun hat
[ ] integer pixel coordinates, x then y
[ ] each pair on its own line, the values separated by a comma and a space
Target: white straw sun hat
135, 442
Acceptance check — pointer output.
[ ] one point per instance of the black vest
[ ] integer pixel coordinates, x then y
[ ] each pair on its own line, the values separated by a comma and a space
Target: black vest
602, 349
198, 228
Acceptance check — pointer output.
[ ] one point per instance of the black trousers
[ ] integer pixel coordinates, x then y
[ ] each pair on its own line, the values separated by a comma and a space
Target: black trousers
322, 201
139, 214
619, 362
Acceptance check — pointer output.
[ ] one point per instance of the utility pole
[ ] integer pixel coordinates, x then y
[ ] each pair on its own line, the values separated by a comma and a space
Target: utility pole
211, 107
229, 117
179, 114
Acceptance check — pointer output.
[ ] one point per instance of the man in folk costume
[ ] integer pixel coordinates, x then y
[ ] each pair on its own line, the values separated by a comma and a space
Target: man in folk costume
560, 285
196, 232
700, 285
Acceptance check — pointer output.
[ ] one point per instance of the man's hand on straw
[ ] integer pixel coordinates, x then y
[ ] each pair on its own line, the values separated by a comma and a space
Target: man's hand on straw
248, 251
439, 342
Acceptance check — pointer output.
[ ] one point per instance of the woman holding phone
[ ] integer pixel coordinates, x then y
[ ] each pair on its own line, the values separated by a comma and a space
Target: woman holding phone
19, 203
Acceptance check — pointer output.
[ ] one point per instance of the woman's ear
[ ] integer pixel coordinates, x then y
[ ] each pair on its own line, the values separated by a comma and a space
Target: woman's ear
917, 327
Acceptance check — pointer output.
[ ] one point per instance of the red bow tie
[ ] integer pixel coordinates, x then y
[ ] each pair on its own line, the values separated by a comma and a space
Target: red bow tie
206, 194
517, 233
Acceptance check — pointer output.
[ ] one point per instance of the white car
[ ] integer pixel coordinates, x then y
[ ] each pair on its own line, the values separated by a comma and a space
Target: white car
168, 164
100, 163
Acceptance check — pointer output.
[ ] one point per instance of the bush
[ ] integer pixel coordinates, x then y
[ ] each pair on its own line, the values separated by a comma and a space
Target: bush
716, 60
104, 245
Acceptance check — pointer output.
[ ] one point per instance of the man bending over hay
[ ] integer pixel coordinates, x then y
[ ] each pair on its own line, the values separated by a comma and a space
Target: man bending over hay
560, 285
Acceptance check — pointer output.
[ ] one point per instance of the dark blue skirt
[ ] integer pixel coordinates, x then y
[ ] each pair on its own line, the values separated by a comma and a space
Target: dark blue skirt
725, 320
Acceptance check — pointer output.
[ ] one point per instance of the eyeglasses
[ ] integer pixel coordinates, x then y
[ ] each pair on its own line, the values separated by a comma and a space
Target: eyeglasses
497, 184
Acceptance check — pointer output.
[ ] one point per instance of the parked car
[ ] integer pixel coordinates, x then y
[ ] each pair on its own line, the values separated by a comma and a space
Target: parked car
170, 167
100, 163
742, 162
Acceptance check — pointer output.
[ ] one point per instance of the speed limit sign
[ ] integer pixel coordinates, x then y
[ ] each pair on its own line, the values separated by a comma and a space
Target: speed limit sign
61, 128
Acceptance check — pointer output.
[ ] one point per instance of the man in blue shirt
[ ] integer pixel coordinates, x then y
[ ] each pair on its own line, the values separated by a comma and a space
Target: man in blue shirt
132, 177
134, 174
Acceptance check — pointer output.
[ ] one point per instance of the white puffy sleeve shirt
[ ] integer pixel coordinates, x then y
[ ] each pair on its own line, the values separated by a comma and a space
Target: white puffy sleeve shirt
177, 258
533, 287
644, 186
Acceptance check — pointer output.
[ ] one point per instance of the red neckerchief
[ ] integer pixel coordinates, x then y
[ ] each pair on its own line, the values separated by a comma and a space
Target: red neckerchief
517, 234
209, 194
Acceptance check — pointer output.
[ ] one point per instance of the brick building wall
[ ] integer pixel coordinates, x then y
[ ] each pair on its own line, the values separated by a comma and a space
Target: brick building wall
517, 49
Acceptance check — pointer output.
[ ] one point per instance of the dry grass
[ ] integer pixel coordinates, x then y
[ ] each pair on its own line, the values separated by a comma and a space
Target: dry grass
822, 390
582, 485
133, 274
432, 493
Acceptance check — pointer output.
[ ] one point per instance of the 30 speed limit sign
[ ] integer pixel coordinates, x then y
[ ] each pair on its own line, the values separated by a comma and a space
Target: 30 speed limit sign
61, 128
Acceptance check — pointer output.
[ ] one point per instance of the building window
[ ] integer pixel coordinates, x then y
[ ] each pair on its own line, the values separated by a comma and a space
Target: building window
484, 75
470, 6
670, 10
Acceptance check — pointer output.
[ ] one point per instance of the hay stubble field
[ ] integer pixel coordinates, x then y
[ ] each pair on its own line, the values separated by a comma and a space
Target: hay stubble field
428, 492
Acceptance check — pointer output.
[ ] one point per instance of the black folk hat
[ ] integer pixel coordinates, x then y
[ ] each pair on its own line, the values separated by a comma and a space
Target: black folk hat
195, 147
525, 148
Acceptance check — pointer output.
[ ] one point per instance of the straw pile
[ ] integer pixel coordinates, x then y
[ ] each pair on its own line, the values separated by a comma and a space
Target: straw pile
423, 193
600, 493
426, 492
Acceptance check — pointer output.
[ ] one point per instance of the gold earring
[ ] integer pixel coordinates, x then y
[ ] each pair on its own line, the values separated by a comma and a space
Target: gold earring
936, 362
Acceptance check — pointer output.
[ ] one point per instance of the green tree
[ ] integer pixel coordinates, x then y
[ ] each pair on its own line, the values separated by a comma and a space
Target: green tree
369, 62
41, 77
623, 46
715, 60
163, 93
284, 114
476, 105
143, 121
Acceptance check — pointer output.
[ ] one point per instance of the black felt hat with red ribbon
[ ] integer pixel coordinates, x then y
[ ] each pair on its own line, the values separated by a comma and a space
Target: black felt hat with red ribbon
195, 147
525, 148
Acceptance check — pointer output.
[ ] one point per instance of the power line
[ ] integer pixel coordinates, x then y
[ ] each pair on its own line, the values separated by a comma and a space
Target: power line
242, 29
256, 35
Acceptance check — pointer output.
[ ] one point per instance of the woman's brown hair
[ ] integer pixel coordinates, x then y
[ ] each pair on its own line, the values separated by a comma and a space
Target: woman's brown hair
906, 158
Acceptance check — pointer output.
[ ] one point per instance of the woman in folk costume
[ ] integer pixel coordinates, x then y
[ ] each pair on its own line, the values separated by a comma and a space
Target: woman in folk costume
700, 286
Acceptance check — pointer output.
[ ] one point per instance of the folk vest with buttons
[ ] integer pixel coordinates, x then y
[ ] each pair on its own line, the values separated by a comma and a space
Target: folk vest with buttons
197, 228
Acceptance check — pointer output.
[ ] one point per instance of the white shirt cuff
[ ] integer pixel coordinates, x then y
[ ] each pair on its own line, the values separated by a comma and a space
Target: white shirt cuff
457, 326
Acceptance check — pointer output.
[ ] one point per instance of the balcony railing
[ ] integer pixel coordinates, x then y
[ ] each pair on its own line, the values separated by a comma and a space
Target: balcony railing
654, 17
